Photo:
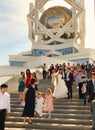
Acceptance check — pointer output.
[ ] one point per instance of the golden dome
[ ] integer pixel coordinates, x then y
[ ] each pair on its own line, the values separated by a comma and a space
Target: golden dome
56, 17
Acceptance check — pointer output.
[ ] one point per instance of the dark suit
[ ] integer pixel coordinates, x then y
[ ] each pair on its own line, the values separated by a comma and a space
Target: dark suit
90, 90
88, 70
69, 83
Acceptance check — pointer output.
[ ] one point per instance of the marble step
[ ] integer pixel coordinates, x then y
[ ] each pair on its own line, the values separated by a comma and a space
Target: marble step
77, 107
16, 97
48, 126
58, 110
52, 120
59, 115
23, 129
73, 111
57, 103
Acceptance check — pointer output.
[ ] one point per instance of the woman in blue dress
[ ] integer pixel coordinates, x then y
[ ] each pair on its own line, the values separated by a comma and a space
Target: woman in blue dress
29, 102
21, 86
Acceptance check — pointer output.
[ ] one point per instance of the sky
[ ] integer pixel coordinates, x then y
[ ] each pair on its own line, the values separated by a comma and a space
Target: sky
14, 28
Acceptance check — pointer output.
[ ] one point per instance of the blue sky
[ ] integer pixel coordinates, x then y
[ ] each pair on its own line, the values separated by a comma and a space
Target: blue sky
14, 28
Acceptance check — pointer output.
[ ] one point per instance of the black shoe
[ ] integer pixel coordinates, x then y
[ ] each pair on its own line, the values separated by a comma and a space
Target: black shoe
24, 125
93, 128
36, 113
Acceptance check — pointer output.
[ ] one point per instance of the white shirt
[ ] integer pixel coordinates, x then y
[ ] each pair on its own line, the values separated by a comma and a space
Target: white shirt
67, 78
5, 101
93, 82
39, 102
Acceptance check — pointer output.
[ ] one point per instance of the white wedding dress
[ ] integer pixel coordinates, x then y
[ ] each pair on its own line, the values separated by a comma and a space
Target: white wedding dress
60, 90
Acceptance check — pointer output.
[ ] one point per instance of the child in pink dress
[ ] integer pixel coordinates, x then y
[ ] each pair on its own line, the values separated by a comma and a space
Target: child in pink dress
48, 105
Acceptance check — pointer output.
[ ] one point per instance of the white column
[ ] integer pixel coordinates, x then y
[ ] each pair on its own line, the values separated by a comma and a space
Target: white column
90, 24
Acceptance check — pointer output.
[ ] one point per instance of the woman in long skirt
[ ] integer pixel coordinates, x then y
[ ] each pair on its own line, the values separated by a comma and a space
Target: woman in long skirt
29, 102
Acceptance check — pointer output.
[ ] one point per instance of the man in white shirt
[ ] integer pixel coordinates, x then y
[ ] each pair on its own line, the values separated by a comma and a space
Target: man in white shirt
4, 105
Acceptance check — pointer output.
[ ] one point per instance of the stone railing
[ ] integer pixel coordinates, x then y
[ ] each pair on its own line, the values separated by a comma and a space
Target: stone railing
20, 58
7, 70
82, 54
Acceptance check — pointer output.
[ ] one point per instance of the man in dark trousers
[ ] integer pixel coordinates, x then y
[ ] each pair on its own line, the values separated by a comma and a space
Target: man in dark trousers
91, 87
4, 105
44, 70
88, 68
91, 95
69, 81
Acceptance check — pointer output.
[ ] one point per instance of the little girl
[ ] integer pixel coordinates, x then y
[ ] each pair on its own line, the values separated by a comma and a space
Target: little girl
21, 86
48, 104
53, 79
39, 104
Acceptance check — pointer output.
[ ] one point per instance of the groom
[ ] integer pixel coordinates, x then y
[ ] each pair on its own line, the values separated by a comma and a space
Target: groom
69, 81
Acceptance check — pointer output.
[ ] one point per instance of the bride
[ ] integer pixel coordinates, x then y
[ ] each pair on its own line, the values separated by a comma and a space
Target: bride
60, 90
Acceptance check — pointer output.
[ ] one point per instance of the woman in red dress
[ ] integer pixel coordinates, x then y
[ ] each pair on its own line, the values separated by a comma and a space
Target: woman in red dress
27, 83
28, 77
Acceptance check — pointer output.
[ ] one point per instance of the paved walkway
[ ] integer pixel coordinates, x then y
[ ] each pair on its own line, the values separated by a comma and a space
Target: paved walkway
12, 83
4, 79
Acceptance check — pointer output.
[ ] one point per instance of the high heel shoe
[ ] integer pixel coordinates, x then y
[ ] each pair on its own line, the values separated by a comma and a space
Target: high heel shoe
30, 122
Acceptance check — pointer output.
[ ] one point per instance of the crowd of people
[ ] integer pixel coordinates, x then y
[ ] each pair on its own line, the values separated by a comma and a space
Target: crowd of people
62, 77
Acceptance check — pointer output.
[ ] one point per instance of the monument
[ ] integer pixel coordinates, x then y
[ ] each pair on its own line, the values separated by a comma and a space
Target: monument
57, 33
